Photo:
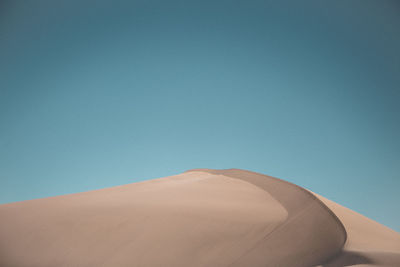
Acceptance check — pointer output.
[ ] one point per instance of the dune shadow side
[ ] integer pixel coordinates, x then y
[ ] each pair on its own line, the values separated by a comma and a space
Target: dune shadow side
311, 234
351, 258
347, 258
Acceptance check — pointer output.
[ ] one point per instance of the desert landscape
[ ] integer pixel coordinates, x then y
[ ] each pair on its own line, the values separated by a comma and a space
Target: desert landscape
106, 108
201, 217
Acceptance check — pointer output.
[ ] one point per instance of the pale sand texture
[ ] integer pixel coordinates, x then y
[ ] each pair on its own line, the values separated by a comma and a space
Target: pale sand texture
198, 218
368, 242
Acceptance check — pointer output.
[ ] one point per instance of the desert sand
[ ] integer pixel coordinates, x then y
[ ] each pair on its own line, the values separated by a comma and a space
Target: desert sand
201, 217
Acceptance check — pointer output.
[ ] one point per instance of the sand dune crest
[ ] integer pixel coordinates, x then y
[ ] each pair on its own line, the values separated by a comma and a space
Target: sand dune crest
201, 217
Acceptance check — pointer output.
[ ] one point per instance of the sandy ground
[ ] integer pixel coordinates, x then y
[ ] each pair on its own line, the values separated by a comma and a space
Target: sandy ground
368, 242
201, 217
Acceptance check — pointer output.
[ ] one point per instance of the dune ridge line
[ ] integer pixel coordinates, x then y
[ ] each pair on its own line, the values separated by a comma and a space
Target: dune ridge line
308, 216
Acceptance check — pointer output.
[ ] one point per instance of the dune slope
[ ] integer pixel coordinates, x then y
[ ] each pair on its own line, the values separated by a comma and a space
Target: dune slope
368, 242
310, 234
201, 217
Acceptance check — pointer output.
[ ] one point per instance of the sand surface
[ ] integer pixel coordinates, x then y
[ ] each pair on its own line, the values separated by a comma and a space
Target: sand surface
201, 217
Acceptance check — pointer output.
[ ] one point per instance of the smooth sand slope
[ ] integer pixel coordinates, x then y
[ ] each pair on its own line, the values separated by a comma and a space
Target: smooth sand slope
368, 242
201, 217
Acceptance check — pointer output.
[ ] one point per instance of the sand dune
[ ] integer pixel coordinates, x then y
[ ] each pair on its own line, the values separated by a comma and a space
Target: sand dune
368, 242
201, 217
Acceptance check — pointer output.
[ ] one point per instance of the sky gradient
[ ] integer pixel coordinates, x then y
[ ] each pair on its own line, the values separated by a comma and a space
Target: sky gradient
93, 96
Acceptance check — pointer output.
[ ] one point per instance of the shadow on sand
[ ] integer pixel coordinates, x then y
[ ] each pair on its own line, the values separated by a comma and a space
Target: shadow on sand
351, 258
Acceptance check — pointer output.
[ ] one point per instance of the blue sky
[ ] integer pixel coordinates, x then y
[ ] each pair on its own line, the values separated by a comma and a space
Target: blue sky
93, 96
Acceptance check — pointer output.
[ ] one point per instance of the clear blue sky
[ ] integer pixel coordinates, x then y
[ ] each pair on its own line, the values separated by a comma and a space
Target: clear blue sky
97, 94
